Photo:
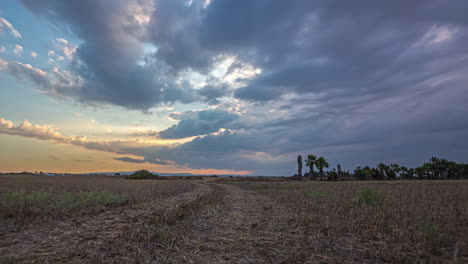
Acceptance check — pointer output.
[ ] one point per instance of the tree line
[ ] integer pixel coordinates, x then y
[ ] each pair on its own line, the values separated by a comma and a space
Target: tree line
434, 169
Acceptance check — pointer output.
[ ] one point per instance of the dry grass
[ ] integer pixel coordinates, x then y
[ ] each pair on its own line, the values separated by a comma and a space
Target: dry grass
27, 197
395, 221
207, 221
163, 237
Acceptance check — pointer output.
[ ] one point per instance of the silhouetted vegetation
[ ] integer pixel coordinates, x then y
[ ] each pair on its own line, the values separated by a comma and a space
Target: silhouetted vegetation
435, 169
299, 166
142, 175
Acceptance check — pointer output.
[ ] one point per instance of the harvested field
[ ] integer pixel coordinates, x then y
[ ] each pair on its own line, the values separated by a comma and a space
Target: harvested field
399, 222
206, 221
25, 197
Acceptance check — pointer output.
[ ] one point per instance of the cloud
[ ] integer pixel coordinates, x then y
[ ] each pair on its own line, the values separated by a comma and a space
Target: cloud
139, 161
131, 160
2, 49
50, 133
141, 53
18, 50
367, 80
34, 55
26, 129
66, 47
201, 123
5, 24
56, 82
113, 42
20, 70
128, 59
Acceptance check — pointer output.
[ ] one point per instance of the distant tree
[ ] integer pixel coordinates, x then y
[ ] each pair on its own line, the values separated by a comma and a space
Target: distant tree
383, 170
404, 173
358, 173
339, 171
332, 175
434, 166
394, 169
365, 173
299, 165
463, 171
420, 172
434, 169
310, 162
454, 170
321, 163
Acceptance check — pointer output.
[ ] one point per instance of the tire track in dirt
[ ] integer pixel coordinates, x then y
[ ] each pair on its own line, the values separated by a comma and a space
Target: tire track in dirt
248, 228
55, 241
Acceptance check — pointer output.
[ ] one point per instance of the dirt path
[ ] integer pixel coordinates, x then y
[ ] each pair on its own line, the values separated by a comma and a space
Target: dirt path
237, 226
248, 228
55, 241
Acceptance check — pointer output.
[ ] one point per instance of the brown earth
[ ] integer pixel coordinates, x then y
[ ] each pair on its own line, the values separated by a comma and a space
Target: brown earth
215, 223
241, 227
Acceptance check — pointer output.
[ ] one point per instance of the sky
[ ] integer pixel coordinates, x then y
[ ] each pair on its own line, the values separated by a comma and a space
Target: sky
230, 87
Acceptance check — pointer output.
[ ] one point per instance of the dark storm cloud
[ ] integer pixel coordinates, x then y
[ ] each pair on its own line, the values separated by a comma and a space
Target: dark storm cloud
113, 33
212, 93
357, 48
303, 46
352, 80
200, 123
405, 129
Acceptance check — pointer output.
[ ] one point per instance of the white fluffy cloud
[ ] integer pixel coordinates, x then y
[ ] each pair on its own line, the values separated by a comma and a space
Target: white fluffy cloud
18, 50
5, 24
64, 47
34, 54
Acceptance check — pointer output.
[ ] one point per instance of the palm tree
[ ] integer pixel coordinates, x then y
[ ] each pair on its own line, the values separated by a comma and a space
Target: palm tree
321, 163
310, 161
299, 165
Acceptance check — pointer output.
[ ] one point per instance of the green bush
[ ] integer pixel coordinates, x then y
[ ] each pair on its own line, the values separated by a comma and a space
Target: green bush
142, 175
